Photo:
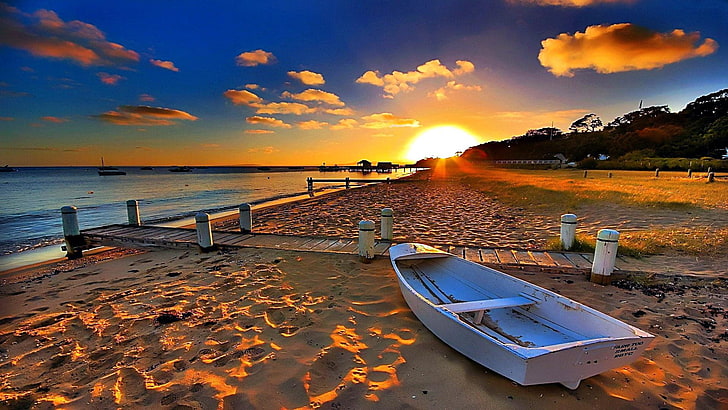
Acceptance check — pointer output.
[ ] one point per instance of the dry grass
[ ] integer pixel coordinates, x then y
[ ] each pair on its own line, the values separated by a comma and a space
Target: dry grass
704, 241
565, 189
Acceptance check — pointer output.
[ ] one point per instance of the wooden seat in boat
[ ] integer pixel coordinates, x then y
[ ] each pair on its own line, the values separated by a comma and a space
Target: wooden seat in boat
479, 306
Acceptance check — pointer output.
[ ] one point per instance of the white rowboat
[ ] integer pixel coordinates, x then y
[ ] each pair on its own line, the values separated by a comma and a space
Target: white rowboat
519, 330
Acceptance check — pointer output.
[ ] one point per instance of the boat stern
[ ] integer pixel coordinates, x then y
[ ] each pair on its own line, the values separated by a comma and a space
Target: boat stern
581, 362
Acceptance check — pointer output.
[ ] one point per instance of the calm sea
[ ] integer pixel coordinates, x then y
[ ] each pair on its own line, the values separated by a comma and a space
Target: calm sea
30, 214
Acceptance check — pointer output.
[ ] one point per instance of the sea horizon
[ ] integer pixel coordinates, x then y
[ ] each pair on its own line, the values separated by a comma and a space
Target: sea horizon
31, 218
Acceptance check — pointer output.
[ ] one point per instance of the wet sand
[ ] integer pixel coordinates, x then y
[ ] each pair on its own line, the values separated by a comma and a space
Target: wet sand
276, 329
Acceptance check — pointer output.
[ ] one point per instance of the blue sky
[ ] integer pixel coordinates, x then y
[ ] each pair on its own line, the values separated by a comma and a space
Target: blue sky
229, 82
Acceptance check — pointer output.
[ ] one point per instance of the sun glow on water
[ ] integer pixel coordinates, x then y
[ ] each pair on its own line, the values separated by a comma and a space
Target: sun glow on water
442, 141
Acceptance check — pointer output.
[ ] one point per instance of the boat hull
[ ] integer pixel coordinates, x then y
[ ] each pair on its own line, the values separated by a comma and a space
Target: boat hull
515, 349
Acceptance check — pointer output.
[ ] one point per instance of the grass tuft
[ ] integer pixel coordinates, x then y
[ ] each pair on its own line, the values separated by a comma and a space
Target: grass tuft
586, 244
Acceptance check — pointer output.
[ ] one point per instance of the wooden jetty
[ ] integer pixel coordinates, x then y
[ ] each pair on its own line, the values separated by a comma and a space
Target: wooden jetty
527, 260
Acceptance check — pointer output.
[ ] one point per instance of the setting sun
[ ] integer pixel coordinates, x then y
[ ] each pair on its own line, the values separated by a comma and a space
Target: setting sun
442, 142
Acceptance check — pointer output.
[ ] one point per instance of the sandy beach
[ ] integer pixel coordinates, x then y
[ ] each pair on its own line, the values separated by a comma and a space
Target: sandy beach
271, 329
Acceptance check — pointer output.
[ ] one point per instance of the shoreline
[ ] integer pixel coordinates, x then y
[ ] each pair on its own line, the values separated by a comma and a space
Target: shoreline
52, 253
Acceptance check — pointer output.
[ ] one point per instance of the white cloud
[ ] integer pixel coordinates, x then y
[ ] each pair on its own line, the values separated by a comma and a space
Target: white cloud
397, 81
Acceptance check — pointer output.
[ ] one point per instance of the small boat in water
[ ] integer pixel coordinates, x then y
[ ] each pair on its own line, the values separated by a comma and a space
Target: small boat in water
7, 168
180, 169
106, 171
519, 330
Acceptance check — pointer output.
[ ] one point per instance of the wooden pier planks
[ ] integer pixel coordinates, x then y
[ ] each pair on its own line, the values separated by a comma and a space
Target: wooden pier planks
548, 261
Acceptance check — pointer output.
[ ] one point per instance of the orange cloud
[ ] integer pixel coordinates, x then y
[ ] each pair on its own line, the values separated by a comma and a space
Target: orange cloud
283, 108
44, 34
242, 97
7, 119
398, 81
312, 125
146, 98
245, 97
568, 3
144, 115
164, 64
273, 122
315, 95
259, 131
443, 92
346, 123
388, 120
264, 150
338, 111
620, 47
55, 120
109, 79
307, 77
254, 58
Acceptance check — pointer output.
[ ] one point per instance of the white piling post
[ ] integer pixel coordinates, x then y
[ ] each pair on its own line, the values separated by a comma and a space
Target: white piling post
605, 255
246, 218
366, 241
71, 232
657, 172
711, 176
309, 183
387, 224
132, 211
204, 232
690, 173
568, 230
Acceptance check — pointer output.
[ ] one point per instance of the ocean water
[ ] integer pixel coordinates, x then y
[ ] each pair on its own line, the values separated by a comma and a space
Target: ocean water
30, 215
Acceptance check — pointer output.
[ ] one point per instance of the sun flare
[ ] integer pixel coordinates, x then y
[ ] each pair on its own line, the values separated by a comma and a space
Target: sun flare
441, 142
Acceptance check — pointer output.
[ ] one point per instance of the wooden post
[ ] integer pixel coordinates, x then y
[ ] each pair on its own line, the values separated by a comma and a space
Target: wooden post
132, 211
609, 175
605, 255
246, 218
657, 172
309, 183
347, 182
711, 176
204, 232
72, 233
366, 241
568, 230
690, 173
710, 169
387, 224
586, 173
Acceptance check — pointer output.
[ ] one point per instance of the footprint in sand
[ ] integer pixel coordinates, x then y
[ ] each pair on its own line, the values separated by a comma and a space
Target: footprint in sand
131, 385
329, 370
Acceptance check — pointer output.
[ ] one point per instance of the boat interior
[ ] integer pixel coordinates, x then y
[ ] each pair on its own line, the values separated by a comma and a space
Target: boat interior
501, 307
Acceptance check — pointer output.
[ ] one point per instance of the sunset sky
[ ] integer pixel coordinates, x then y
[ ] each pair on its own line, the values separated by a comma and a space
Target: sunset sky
302, 83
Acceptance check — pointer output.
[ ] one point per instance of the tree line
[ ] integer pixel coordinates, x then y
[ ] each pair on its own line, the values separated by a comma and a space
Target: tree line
700, 130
